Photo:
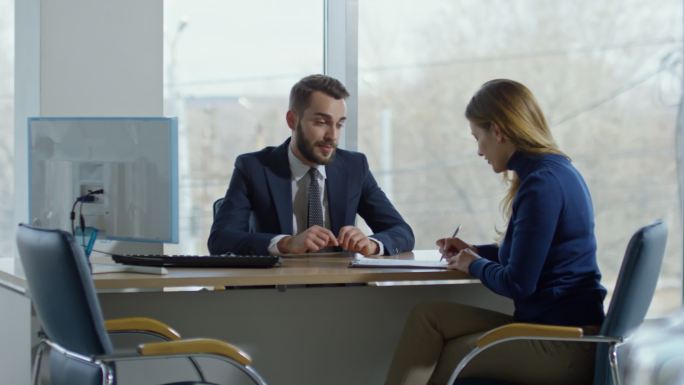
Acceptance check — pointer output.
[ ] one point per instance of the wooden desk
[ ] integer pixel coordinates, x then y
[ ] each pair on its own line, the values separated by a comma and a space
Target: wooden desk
317, 331
323, 270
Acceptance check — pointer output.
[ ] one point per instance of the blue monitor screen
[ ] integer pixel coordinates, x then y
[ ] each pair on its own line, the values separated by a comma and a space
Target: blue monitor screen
133, 160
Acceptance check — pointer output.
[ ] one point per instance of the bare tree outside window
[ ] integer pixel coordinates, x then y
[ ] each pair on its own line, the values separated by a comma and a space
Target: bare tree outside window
608, 76
229, 69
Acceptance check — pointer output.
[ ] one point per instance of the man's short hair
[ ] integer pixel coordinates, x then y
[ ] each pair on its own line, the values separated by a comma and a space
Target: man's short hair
300, 95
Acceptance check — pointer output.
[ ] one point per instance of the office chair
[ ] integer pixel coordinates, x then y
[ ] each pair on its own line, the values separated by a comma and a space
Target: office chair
632, 296
75, 337
217, 206
654, 354
253, 227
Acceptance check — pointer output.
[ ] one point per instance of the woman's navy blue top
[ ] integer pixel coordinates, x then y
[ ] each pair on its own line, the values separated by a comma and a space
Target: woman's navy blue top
547, 260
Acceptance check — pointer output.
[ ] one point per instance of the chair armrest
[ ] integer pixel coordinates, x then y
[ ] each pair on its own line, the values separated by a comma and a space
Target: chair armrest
195, 346
514, 330
141, 324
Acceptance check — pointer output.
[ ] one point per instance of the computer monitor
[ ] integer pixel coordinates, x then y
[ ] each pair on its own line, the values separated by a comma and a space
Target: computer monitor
133, 160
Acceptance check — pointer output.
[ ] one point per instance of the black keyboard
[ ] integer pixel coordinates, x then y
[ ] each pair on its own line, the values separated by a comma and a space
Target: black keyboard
222, 260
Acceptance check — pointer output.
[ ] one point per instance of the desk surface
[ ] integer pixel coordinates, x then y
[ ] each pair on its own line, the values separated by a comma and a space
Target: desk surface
293, 271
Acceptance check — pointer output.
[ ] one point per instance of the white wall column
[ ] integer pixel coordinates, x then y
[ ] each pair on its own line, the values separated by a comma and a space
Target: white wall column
84, 58
16, 331
341, 59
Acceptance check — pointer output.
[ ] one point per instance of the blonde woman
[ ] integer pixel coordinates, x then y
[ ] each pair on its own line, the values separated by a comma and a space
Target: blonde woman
545, 261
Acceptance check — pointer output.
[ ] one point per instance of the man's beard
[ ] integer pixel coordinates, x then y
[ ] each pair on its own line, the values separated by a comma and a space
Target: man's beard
306, 148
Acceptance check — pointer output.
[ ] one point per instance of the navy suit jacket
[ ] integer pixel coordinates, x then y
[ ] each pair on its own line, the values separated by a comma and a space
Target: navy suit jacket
258, 203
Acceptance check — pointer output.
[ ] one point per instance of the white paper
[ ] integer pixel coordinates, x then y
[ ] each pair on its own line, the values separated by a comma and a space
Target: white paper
104, 268
403, 263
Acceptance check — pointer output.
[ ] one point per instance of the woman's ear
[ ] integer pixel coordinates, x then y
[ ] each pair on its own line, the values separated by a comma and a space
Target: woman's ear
498, 134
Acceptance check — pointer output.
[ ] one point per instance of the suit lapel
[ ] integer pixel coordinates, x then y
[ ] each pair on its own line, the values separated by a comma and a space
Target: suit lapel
335, 189
280, 186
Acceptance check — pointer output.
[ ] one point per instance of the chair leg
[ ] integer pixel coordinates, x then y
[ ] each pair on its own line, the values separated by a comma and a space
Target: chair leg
253, 375
107, 374
36, 364
613, 359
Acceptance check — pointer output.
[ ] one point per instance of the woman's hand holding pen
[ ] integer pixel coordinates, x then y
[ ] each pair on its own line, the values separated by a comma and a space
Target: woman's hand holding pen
449, 247
458, 253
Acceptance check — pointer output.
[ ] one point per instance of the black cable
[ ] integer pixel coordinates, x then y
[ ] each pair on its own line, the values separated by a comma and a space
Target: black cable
88, 197
72, 217
82, 223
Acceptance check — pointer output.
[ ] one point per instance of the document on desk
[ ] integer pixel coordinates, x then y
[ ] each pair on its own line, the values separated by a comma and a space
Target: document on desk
398, 263
105, 264
108, 268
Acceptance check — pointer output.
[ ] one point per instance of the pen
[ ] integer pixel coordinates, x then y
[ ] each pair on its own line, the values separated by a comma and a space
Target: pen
456, 231
458, 228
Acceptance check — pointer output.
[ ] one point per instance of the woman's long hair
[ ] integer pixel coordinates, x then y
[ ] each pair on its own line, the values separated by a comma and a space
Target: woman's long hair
513, 108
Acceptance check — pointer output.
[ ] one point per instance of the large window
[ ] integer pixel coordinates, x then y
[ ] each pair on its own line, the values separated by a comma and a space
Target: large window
6, 127
608, 75
229, 69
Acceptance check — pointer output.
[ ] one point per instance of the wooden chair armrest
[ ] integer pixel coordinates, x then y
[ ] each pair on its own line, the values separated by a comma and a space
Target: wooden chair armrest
142, 324
195, 346
529, 330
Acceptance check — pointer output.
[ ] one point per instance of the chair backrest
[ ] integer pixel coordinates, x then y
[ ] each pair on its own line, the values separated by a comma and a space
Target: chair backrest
253, 228
634, 290
62, 291
217, 206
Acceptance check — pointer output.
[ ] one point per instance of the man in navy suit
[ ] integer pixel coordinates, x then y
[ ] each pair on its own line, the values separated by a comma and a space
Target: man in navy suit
303, 196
